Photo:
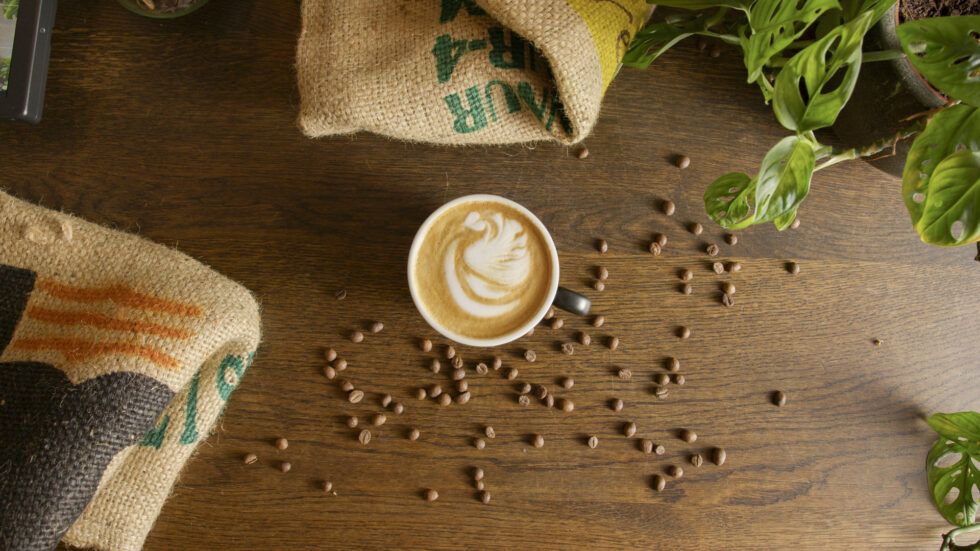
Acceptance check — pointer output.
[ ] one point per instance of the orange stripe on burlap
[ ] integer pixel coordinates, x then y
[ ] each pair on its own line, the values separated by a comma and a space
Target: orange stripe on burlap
119, 294
61, 317
78, 350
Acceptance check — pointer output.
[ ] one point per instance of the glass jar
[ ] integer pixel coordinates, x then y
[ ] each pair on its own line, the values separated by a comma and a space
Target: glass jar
162, 9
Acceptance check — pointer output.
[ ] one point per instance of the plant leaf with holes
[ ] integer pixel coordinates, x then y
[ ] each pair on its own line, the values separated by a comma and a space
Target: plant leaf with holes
946, 50
851, 9
774, 25
656, 38
959, 439
784, 178
951, 210
728, 200
952, 129
818, 81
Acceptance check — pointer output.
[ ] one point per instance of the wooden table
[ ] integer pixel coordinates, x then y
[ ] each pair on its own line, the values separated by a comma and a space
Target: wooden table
184, 132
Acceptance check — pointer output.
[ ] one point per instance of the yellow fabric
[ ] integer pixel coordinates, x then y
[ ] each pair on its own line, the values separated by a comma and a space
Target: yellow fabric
612, 23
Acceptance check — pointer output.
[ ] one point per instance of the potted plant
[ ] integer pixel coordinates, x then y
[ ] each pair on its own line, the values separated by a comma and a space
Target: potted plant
162, 9
806, 56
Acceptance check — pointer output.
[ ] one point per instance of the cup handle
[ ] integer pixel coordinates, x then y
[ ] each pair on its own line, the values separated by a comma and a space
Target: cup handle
571, 301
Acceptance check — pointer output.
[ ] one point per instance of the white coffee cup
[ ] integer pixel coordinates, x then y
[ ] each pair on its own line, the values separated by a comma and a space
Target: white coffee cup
559, 296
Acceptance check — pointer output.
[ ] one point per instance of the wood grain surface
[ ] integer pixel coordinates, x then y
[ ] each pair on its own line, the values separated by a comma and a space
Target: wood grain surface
184, 132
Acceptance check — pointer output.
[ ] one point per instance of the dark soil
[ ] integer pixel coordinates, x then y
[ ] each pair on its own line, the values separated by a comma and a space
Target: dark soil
170, 6
920, 9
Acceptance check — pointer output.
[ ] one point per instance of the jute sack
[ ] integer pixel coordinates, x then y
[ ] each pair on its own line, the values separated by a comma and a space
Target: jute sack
461, 71
116, 358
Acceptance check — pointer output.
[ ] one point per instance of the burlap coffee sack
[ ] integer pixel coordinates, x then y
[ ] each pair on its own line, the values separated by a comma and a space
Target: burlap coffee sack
461, 71
116, 358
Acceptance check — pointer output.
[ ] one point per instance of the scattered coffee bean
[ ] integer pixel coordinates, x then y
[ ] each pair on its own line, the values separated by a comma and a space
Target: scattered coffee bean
696, 228
682, 161
728, 288
613, 343
459, 373
450, 352
876, 342
598, 285
660, 239
616, 404
679, 379
687, 435
661, 393
718, 268
490, 432
550, 313
457, 362
567, 383
659, 482
602, 273
549, 401
734, 267
386, 400
285, 466
377, 327
524, 400
568, 348
731, 238
340, 294
431, 495
629, 429
414, 434
795, 224
346, 385
364, 437
481, 369
326, 486
779, 398
445, 399
355, 396
793, 268
598, 321
566, 405
485, 497
435, 391
684, 332
661, 379
712, 249
718, 456
463, 397
421, 393
582, 152
673, 365
250, 458
435, 365
656, 249
674, 471
593, 442
668, 207
524, 388
479, 443
511, 374
478, 473
530, 355
727, 300
340, 364
602, 246
659, 449
647, 445
557, 323
625, 374
687, 288
379, 419
697, 460
425, 345
356, 336
686, 275
330, 354
352, 421
497, 363
715, 51
282, 443
462, 385
329, 372
530, 332
541, 391
702, 44
398, 408
584, 338
538, 441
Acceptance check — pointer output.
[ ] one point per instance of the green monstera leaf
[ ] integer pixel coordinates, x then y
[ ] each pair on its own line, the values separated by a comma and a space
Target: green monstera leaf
656, 38
703, 4
946, 50
952, 464
818, 81
9, 8
774, 25
945, 207
728, 200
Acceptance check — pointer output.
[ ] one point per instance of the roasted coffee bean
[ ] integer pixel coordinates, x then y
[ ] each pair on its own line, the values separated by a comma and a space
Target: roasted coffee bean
718, 456
613, 343
567, 383
445, 399
364, 437
674, 471
659, 482
668, 207
616, 404
687, 289
538, 441
566, 405
386, 400
602, 246
876, 342
462, 385
497, 363
376, 327
647, 445
541, 391
568, 348
355, 396
435, 365
584, 339
679, 379
512, 374
795, 224
250, 458
660, 239
728, 288
450, 352
696, 228
435, 391
684, 332
479, 443
352, 421
463, 397
673, 365
485, 497
481, 369
530, 355
793, 268
582, 153
414, 434
326, 486
285, 466
524, 388
340, 364
593, 442
659, 449
656, 249
478, 473
421, 393
282, 443
715, 51
661, 379
625, 374
687, 435
340, 294
346, 385
457, 362
398, 408
379, 419
431, 495
330, 354
629, 429
329, 372
602, 273
598, 285
530, 332
731, 238
425, 345
718, 268
686, 275
459, 373
779, 398
557, 323
550, 313
549, 401
712, 249
598, 321
490, 432
682, 161
697, 460
727, 300
734, 267
661, 393
524, 400
356, 336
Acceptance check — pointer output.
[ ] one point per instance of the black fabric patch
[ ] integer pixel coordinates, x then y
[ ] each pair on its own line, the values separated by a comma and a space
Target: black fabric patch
15, 288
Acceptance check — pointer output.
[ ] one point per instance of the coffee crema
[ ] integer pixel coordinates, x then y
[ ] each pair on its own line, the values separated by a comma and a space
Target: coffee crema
483, 270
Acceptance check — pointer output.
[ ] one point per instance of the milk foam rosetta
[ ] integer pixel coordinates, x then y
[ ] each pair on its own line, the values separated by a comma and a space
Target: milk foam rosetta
483, 269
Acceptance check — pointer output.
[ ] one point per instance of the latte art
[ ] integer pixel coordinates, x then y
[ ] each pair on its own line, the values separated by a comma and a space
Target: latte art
483, 269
